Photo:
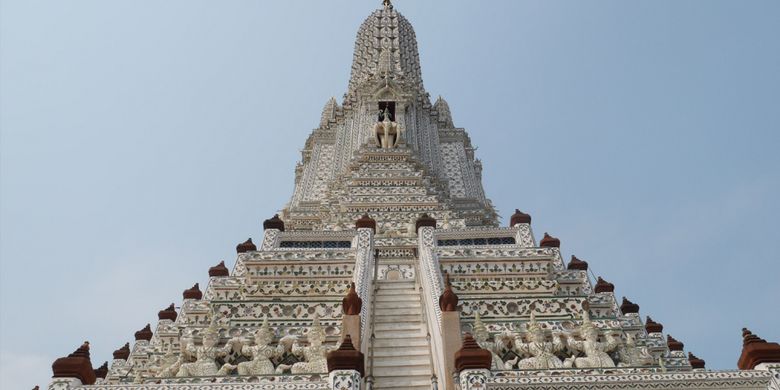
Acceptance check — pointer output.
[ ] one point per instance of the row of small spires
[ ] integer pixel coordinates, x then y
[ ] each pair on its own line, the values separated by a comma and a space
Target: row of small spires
755, 349
78, 364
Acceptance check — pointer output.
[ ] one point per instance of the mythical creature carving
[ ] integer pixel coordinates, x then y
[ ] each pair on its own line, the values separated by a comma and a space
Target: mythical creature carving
629, 353
388, 134
495, 347
206, 354
542, 351
596, 352
261, 353
314, 355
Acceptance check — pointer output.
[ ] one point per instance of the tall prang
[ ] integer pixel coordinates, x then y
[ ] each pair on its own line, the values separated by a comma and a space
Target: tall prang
428, 165
387, 270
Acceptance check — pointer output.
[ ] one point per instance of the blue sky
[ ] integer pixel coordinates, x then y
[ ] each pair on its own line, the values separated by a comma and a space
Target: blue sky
141, 140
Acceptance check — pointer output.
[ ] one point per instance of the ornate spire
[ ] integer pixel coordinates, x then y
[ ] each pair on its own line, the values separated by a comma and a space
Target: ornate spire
448, 301
75, 365
352, 304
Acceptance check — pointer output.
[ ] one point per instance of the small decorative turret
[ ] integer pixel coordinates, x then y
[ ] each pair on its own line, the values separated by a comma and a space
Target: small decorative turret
603, 286
219, 270
352, 304
193, 292
123, 352
628, 306
424, 220
346, 357
695, 361
246, 246
144, 334
756, 350
673, 344
102, 371
76, 365
448, 301
274, 223
549, 241
577, 264
365, 222
519, 217
168, 313
652, 326
471, 356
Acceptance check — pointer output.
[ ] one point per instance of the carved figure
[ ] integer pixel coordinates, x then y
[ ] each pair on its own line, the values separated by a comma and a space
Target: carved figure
595, 351
542, 351
206, 355
314, 355
629, 353
261, 353
387, 133
168, 365
495, 347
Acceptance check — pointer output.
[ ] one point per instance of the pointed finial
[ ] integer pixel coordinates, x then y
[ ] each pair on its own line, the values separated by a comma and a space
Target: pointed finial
387, 4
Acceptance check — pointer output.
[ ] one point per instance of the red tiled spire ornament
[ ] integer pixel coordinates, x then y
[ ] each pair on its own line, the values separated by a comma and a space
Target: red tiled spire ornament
577, 264
756, 350
352, 304
448, 301
628, 306
123, 352
193, 292
219, 270
603, 286
365, 222
695, 361
652, 326
246, 246
471, 356
102, 371
519, 217
549, 241
144, 334
346, 357
169, 313
274, 223
673, 344
76, 365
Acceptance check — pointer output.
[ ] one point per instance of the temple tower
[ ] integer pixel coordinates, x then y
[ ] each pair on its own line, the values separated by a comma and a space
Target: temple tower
387, 270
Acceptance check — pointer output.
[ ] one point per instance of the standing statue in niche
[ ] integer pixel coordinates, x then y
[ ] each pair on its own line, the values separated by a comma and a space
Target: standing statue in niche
261, 353
542, 351
206, 354
387, 133
596, 352
629, 353
314, 355
495, 347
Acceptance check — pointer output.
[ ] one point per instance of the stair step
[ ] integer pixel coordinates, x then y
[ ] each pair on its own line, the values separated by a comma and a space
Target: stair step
400, 334
399, 311
401, 361
400, 344
385, 372
397, 298
393, 351
397, 292
403, 382
380, 306
392, 326
384, 318
396, 285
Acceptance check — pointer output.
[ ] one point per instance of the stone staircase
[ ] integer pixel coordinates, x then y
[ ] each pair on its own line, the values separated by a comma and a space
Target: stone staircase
401, 355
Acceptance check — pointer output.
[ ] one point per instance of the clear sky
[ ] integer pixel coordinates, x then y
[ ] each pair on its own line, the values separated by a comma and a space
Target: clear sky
142, 140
